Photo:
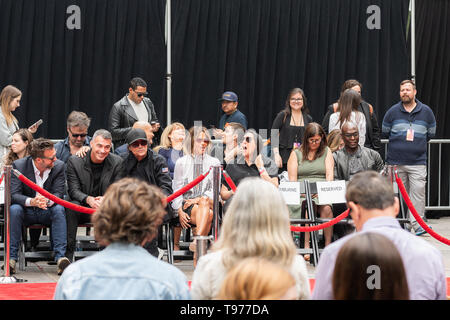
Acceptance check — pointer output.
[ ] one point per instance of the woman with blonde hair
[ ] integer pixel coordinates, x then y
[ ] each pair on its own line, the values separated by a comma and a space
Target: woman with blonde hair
172, 148
256, 225
258, 279
194, 207
9, 101
334, 140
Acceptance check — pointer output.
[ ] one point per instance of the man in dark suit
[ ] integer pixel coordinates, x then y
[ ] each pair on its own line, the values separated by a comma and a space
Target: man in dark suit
87, 180
142, 163
29, 207
134, 106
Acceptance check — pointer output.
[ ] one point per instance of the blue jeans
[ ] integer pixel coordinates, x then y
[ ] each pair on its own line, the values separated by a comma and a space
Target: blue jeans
54, 217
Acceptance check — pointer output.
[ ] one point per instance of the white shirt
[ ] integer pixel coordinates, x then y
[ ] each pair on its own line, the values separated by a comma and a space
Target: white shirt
39, 181
140, 110
356, 117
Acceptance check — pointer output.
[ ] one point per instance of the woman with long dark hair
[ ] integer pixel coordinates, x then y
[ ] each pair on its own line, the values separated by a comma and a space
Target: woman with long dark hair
313, 162
348, 112
291, 123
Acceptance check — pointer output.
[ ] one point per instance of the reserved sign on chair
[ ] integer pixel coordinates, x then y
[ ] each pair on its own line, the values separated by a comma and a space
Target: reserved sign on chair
329, 192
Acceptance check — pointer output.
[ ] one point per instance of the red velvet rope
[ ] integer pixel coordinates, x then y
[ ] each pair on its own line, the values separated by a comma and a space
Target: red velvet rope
52, 197
229, 181
1, 178
190, 185
413, 210
82, 209
323, 225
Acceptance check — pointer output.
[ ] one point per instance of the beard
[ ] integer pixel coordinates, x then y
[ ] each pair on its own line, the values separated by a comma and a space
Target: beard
407, 99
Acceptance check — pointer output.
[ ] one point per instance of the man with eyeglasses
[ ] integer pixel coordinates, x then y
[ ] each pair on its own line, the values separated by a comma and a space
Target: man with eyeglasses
135, 106
142, 163
87, 181
29, 207
77, 140
353, 158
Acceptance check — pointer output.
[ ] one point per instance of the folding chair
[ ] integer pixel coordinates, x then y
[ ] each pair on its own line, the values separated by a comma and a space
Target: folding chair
40, 255
314, 250
85, 244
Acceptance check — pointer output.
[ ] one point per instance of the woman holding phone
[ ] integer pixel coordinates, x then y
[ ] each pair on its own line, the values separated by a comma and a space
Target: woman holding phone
9, 101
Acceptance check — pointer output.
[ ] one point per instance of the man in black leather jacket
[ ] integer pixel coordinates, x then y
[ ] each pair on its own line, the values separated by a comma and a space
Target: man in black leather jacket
353, 158
134, 106
87, 181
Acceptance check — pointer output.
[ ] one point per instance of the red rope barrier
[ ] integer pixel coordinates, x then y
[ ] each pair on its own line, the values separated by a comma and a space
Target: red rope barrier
1, 178
323, 225
415, 214
52, 197
229, 181
82, 209
190, 185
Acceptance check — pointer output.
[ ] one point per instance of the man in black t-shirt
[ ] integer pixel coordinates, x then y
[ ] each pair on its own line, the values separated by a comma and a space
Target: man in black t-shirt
87, 180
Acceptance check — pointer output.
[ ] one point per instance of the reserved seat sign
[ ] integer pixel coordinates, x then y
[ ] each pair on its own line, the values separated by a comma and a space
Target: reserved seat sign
331, 192
290, 191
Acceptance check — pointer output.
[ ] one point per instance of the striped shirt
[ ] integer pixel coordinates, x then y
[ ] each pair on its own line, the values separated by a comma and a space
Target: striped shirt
396, 123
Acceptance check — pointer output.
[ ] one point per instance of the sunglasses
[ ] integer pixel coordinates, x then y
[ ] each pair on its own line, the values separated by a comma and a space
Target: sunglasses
48, 158
140, 94
202, 140
139, 143
76, 135
248, 139
349, 135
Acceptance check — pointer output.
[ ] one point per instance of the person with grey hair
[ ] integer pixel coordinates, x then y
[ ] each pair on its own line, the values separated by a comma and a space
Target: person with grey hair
77, 140
87, 181
373, 208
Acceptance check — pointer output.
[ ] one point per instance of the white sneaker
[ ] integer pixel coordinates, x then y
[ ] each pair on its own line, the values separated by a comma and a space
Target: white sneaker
160, 254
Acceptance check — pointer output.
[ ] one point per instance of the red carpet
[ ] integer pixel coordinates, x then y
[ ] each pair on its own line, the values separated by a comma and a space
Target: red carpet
44, 291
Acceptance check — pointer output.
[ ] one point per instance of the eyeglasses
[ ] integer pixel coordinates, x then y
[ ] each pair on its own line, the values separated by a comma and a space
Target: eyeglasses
139, 143
248, 139
76, 135
202, 141
314, 141
349, 135
48, 158
140, 94
297, 99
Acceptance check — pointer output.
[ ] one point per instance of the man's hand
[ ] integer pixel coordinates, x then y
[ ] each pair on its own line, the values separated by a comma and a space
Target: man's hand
94, 202
82, 152
39, 201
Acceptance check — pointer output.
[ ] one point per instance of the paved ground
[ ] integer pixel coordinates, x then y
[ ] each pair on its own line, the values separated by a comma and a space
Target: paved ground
43, 272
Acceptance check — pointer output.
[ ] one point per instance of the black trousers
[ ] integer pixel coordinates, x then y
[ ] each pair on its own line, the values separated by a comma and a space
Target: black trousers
73, 219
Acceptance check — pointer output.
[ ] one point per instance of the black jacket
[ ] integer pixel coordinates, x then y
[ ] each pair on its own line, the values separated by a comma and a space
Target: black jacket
55, 183
122, 117
80, 179
156, 173
370, 159
372, 129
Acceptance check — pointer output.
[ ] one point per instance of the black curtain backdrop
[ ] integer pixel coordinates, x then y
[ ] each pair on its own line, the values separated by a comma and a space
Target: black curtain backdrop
262, 48
258, 48
60, 70
433, 85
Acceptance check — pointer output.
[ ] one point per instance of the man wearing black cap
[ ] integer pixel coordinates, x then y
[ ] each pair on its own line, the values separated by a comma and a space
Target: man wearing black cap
142, 163
87, 181
229, 102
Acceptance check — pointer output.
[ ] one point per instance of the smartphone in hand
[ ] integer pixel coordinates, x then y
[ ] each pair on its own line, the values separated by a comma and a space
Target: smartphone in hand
34, 126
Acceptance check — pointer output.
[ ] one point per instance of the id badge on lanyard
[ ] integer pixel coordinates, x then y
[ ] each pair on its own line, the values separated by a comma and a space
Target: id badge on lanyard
410, 133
